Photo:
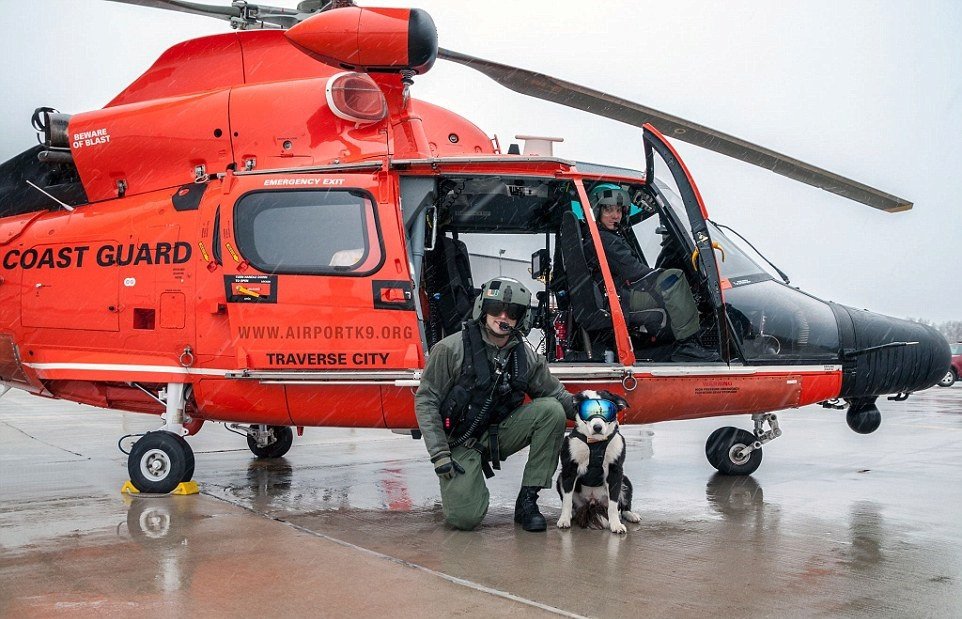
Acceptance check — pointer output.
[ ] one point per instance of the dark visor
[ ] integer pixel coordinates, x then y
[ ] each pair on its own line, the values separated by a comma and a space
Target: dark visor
496, 308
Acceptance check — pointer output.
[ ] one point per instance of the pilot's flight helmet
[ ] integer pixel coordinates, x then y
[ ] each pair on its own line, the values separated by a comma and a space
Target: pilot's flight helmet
609, 194
505, 293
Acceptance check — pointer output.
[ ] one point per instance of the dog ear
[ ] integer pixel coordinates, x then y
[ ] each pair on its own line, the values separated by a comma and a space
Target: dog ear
617, 399
581, 396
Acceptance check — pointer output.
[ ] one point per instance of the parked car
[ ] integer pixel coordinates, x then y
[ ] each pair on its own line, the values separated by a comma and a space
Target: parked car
955, 370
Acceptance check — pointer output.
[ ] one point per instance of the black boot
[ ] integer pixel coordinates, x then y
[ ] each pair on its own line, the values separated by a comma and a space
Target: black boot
691, 350
526, 510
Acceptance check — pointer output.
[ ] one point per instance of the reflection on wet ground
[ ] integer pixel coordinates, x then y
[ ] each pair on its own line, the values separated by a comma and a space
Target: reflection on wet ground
832, 524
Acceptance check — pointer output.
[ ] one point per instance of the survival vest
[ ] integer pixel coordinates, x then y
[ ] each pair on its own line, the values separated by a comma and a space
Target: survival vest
483, 396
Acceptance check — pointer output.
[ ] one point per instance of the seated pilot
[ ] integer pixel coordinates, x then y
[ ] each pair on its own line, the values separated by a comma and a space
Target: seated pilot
658, 298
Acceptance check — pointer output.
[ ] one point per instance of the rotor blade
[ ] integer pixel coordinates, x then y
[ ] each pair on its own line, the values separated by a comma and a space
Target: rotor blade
220, 12
239, 16
572, 95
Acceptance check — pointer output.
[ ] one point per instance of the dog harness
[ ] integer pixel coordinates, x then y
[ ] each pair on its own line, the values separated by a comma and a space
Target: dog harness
595, 475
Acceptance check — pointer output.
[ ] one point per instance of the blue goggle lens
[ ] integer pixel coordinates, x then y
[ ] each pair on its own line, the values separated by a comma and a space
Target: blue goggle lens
606, 409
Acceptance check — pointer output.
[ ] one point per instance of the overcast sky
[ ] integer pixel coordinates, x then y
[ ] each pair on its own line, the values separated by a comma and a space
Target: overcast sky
871, 90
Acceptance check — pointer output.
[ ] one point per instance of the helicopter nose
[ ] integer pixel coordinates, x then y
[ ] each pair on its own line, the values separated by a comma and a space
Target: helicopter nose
874, 361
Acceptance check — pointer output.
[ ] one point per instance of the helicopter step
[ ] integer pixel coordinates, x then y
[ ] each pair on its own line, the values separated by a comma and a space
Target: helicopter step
733, 451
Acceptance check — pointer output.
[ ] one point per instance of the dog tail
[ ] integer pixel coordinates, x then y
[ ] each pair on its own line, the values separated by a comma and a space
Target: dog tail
591, 516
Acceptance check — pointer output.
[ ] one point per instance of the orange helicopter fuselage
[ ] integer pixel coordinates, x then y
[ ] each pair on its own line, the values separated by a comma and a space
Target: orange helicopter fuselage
147, 284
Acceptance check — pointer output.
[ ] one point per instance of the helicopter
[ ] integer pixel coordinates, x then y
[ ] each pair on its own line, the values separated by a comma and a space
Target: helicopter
266, 229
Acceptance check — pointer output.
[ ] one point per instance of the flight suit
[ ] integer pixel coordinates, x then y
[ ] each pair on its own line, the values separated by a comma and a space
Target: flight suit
539, 423
641, 286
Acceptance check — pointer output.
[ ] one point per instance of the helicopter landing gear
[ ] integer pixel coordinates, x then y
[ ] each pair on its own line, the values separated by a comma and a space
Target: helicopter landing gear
162, 459
266, 441
159, 461
733, 451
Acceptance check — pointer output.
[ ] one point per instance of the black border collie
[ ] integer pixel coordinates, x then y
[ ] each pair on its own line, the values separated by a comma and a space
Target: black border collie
592, 466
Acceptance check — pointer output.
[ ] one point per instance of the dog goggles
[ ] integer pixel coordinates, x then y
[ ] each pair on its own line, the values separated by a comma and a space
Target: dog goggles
606, 409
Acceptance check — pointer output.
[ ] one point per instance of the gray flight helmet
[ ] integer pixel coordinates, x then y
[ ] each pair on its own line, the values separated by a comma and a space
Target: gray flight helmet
506, 290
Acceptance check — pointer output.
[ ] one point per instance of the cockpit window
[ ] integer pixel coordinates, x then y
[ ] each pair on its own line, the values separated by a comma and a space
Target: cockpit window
669, 192
734, 264
502, 204
780, 324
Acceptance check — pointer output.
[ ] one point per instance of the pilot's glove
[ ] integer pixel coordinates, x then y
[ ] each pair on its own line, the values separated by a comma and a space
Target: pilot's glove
445, 466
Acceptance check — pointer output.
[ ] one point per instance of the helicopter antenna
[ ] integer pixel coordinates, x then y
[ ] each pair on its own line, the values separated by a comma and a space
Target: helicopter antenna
63, 204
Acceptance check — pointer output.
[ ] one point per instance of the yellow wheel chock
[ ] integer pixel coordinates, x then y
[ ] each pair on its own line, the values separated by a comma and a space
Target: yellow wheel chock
183, 488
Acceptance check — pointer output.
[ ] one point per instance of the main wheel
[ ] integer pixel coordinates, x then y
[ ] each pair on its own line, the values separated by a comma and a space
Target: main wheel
283, 439
722, 450
949, 379
159, 461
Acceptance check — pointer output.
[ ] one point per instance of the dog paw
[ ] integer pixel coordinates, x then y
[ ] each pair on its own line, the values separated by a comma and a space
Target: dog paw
631, 516
617, 527
564, 523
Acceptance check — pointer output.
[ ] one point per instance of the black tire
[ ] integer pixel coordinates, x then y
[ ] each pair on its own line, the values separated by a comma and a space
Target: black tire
189, 472
283, 439
721, 447
949, 379
159, 461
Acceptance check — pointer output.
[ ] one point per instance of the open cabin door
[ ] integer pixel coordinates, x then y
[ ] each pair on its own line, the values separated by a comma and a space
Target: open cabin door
690, 210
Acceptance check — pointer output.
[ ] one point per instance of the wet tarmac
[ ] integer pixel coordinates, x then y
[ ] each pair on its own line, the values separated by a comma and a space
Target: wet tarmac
349, 524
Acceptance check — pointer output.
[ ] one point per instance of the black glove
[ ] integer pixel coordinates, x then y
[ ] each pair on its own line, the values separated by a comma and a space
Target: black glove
445, 466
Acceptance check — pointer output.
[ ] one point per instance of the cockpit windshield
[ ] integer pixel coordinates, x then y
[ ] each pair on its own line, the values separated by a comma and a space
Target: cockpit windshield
734, 264
773, 322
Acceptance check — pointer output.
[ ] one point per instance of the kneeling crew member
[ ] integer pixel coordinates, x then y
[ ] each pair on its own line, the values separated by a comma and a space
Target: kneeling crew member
469, 408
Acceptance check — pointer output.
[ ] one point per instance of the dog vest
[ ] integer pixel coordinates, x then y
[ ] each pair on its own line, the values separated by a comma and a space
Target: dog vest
595, 475
484, 395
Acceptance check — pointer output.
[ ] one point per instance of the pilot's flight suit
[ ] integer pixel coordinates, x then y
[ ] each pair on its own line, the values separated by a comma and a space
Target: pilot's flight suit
640, 286
539, 423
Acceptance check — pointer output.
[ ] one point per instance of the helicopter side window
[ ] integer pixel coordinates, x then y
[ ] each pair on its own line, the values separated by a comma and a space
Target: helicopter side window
309, 232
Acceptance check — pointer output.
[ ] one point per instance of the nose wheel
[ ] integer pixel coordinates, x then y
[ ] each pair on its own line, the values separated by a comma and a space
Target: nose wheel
725, 451
733, 451
159, 461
